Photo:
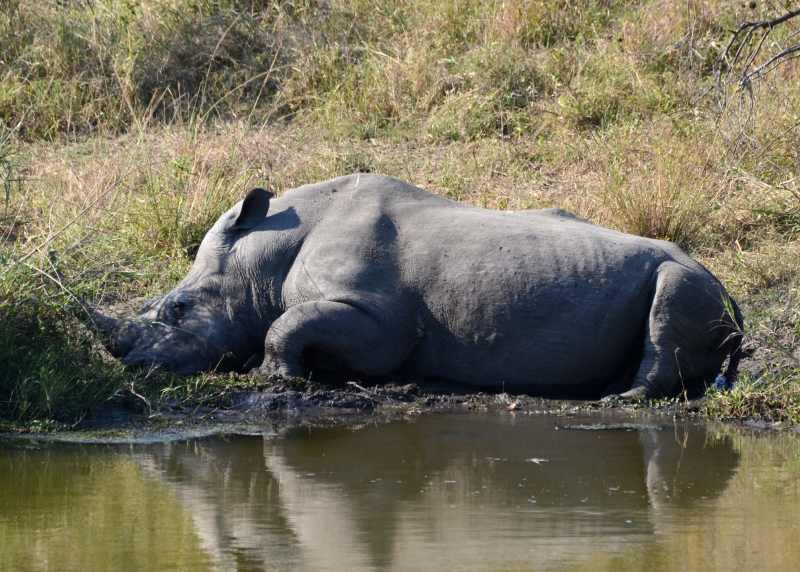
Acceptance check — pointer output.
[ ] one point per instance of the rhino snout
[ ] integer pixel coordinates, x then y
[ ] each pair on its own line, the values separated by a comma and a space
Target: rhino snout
144, 342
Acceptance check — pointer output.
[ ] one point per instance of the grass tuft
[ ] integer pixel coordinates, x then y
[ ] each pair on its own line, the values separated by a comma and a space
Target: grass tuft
658, 191
768, 398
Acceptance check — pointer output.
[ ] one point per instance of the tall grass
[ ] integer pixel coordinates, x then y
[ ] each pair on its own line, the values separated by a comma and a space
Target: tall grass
128, 127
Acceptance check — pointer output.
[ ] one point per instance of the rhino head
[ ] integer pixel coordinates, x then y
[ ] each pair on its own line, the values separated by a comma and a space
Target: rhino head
210, 321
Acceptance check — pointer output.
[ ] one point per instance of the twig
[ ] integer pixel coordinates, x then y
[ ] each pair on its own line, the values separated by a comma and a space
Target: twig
364, 392
60, 231
744, 33
765, 67
360, 387
142, 397
56, 280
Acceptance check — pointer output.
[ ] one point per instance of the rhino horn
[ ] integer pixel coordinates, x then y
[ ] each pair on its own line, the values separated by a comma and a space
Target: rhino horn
104, 323
119, 334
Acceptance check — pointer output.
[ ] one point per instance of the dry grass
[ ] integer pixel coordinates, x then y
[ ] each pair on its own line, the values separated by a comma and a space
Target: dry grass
126, 130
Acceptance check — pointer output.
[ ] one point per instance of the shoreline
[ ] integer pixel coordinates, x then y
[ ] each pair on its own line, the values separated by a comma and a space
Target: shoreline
276, 409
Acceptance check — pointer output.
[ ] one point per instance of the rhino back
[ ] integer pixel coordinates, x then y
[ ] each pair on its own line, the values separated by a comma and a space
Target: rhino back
522, 298
353, 251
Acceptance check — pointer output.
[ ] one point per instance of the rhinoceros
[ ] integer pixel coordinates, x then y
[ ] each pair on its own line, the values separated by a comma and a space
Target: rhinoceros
371, 277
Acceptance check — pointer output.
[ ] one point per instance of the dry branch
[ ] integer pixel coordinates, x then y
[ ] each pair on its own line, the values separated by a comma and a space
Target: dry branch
742, 39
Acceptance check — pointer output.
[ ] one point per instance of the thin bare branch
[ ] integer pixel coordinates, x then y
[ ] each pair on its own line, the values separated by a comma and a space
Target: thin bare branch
743, 35
772, 62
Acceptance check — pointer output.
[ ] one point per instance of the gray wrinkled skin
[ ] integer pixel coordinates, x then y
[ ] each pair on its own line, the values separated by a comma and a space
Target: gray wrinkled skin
376, 278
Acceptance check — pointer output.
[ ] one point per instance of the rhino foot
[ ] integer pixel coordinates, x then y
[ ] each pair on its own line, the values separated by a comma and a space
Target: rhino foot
271, 368
635, 394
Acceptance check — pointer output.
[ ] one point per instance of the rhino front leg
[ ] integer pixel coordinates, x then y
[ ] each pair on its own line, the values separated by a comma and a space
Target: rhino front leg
352, 335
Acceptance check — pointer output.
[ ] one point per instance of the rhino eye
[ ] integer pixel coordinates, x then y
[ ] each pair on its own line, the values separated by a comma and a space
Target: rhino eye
178, 308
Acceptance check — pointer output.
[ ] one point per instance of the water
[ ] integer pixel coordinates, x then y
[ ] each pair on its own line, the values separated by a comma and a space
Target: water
441, 492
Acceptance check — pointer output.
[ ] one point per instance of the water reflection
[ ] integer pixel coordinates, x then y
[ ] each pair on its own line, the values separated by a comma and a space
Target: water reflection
444, 491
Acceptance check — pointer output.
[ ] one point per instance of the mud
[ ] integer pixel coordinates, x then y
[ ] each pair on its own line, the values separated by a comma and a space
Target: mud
281, 405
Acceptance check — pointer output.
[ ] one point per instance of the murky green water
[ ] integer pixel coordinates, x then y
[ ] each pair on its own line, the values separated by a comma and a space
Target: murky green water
442, 492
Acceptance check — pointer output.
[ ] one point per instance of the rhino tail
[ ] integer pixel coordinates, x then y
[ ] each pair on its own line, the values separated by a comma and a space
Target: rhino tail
735, 340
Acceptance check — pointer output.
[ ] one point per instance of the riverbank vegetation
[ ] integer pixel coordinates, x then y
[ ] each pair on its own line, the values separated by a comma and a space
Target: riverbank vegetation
126, 128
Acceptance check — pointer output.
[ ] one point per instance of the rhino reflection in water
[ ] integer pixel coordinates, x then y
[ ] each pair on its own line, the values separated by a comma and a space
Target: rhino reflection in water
439, 491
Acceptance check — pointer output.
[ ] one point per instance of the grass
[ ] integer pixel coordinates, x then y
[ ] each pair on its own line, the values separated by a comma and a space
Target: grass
126, 128
770, 398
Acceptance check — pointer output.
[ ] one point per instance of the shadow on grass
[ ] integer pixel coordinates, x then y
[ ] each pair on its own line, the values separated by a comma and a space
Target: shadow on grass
51, 367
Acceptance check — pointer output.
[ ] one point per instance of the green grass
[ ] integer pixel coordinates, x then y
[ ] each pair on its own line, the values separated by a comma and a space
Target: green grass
55, 371
774, 398
126, 128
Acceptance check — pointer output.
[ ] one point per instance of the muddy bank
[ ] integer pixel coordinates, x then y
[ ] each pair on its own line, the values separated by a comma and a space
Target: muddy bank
155, 405
281, 405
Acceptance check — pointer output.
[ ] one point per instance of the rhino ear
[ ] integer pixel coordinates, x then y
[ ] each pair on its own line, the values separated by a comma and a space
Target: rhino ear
253, 210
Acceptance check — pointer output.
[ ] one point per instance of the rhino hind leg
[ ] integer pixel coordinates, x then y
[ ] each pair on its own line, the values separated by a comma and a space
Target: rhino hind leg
351, 336
684, 341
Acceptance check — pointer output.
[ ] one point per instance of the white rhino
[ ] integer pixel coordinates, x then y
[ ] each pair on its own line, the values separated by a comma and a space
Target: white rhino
369, 276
